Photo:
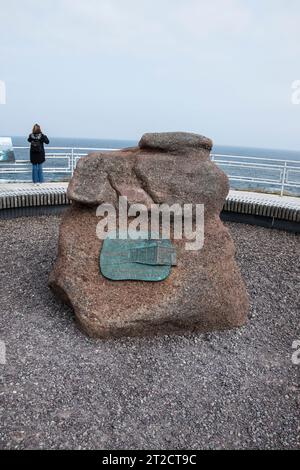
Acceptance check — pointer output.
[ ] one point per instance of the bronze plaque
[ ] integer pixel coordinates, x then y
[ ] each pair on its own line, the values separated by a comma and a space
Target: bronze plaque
140, 260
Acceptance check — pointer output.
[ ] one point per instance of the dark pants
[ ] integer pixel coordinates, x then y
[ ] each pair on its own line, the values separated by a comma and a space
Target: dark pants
37, 173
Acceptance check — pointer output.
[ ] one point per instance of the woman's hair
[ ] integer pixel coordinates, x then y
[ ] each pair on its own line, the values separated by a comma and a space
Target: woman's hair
36, 129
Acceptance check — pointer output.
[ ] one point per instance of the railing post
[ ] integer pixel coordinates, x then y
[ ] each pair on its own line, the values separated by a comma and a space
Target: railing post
72, 161
283, 180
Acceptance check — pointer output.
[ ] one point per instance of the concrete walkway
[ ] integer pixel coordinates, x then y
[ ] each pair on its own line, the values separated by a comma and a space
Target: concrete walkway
29, 188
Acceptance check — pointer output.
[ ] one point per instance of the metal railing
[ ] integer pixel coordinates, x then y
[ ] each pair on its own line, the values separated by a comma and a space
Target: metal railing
65, 159
266, 171
280, 175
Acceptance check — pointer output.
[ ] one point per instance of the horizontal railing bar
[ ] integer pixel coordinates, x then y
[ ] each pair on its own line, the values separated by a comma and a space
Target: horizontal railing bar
240, 164
254, 158
69, 148
295, 185
233, 178
245, 164
72, 150
254, 179
215, 155
251, 165
293, 168
273, 183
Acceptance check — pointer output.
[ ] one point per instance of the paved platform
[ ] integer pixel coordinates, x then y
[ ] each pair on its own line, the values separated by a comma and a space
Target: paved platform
24, 195
235, 389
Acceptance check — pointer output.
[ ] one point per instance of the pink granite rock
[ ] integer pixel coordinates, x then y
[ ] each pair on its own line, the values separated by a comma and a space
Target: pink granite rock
204, 291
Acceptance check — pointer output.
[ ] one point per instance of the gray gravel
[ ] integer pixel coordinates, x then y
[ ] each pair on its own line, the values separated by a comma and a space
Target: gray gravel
234, 389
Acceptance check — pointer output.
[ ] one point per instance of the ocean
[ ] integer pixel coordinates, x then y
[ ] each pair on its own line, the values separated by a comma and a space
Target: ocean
271, 174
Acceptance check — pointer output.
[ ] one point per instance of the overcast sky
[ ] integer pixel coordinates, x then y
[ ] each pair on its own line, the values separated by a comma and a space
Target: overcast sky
119, 68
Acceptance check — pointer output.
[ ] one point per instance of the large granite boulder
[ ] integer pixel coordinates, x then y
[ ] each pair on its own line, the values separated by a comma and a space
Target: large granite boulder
204, 291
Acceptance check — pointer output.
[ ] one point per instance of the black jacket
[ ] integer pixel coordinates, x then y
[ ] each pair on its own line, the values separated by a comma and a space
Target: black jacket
37, 151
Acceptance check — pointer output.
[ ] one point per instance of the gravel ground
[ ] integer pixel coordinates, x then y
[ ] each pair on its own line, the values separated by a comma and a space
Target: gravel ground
234, 389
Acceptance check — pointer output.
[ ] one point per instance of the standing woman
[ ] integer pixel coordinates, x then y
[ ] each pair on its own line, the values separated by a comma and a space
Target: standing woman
37, 153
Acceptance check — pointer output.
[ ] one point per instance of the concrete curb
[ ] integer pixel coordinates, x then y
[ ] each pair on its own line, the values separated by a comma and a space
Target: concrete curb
25, 199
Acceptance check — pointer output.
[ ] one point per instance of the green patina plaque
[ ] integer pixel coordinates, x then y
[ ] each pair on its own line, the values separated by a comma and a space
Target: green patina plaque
140, 260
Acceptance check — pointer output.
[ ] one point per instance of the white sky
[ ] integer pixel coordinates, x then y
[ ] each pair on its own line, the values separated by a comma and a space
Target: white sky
119, 68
